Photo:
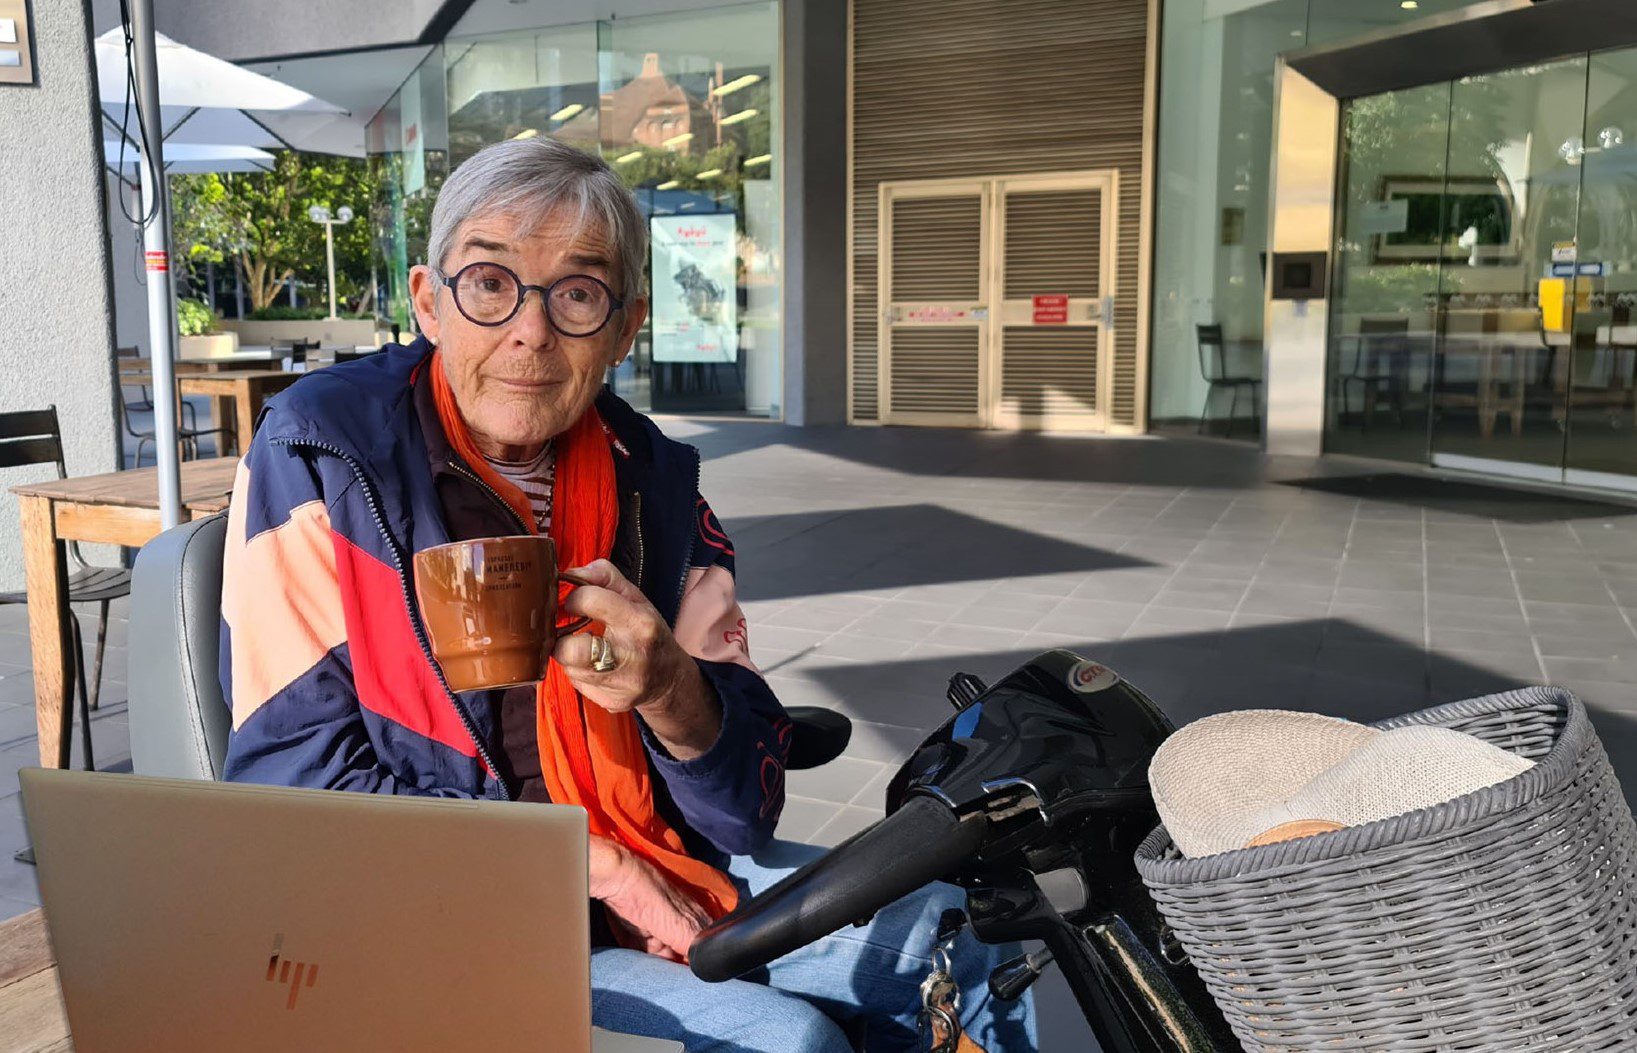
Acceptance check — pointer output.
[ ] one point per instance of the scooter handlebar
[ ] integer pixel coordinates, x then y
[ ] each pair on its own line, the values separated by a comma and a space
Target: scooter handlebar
922, 841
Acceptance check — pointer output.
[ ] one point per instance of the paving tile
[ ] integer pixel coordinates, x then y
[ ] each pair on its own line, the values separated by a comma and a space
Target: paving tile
837, 782
848, 820
11, 908
1201, 595
862, 646
886, 743
802, 818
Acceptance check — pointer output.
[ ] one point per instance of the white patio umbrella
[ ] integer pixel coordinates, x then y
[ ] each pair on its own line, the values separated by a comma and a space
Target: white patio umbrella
175, 86
188, 158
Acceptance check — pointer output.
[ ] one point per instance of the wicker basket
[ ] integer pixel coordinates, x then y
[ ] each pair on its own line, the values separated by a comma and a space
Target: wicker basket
1502, 920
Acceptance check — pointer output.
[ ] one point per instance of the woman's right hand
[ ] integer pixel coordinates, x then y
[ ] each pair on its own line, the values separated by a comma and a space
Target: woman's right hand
662, 917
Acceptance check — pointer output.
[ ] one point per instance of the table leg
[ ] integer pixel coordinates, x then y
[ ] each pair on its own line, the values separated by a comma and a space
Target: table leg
1486, 394
224, 415
45, 574
248, 403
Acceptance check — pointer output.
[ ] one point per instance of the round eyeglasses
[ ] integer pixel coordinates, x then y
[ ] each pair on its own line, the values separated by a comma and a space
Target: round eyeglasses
491, 294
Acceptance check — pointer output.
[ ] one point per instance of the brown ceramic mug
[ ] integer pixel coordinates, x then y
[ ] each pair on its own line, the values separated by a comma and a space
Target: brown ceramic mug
490, 608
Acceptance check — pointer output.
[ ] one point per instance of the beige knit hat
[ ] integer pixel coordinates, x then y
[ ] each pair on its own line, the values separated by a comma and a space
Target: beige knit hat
1257, 776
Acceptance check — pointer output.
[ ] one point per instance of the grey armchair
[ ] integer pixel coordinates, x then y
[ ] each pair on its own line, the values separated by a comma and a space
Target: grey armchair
179, 719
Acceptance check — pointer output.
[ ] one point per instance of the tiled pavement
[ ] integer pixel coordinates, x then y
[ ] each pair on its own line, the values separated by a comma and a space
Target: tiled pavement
875, 562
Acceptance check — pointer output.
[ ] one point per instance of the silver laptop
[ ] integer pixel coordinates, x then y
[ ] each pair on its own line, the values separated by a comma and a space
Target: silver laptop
197, 916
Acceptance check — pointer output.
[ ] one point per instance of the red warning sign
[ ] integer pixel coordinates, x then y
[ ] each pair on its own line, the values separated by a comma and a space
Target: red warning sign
157, 261
1051, 310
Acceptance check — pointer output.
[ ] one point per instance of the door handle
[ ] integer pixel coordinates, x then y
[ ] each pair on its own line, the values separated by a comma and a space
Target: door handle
1106, 312
980, 313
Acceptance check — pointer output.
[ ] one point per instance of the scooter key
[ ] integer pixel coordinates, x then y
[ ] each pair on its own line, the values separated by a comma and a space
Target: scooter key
940, 1005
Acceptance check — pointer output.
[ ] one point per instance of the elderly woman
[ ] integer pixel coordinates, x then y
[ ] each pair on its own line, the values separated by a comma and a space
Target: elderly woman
496, 422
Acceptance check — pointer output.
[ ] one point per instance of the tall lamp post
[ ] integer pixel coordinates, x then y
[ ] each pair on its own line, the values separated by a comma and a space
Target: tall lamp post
320, 214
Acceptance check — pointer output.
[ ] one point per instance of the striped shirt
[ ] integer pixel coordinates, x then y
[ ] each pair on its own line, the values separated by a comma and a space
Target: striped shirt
534, 477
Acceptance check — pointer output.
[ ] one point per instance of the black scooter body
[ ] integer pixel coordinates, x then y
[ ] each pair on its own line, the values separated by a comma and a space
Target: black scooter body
1057, 755
1033, 796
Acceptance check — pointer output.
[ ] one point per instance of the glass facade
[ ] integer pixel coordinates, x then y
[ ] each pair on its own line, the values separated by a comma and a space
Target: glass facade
686, 109
1211, 191
1486, 270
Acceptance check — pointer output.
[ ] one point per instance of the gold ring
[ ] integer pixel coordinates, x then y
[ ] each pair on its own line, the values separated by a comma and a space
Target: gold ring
602, 655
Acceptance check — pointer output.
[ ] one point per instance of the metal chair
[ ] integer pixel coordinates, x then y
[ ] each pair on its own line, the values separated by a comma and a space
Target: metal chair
1213, 367
133, 356
189, 434
34, 437
1380, 362
292, 353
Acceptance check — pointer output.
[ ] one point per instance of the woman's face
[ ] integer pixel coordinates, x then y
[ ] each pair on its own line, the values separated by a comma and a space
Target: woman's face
521, 383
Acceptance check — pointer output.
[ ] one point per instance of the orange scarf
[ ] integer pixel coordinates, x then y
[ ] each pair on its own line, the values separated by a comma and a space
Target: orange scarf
589, 756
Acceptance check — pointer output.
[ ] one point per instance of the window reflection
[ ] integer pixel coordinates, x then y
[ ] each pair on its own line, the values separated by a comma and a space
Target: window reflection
685, 109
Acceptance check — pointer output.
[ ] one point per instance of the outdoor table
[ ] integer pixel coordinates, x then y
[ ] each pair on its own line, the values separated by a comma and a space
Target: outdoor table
119, 508
1503, 361
245, 389
31, 1002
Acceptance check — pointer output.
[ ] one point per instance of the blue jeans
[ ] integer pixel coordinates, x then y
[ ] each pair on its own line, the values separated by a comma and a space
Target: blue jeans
867, 978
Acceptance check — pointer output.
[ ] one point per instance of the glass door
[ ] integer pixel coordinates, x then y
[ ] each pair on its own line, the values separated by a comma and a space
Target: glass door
1384, 293
1600, 366
1509, 311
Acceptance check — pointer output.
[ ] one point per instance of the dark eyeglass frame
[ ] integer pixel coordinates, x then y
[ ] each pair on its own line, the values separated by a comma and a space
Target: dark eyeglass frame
451, 280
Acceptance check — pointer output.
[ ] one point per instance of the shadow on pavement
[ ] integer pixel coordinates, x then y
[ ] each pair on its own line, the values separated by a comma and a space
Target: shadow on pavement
1328, 666
900, 546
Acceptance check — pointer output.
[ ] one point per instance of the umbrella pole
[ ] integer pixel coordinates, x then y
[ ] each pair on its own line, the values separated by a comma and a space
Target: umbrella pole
156, 253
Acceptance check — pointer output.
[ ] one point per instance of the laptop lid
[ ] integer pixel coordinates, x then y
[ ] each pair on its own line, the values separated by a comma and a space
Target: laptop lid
208, 916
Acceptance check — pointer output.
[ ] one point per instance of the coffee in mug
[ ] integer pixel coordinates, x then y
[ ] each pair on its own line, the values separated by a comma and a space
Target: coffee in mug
490, 608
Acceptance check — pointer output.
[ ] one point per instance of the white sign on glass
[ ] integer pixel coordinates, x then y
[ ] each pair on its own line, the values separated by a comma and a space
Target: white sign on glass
1384, 217
695, 288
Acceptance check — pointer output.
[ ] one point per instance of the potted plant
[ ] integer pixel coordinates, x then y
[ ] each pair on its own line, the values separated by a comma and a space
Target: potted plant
201, 336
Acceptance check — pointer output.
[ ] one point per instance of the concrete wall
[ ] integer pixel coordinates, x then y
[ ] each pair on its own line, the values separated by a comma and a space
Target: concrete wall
815, 207
56, 318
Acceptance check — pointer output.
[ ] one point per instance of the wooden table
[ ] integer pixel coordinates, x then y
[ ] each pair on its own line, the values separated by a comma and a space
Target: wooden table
245, 389
120, 508
31, 1001
1503, 362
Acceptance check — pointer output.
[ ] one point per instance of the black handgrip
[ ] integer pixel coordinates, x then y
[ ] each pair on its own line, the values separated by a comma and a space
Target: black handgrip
920, 842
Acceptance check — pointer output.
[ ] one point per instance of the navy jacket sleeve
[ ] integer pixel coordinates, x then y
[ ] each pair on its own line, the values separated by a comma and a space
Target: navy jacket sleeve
733, 793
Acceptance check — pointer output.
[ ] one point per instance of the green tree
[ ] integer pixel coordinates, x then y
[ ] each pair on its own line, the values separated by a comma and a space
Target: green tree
258, 220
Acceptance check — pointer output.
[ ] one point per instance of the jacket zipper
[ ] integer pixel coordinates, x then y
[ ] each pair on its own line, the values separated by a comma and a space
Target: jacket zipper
687, 557
409, 602
642, 548
511, 513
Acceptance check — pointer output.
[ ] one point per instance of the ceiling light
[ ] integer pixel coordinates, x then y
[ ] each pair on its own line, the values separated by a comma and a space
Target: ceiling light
1409, 5
669, 184
625, 159
759, 159
742, 115
568, 111
527, 133
677, 140
736, 83
709, 173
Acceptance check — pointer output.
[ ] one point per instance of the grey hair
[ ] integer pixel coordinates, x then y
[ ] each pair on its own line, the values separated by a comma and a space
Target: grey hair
530, 178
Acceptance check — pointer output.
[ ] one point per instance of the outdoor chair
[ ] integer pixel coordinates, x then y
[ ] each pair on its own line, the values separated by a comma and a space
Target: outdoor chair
292, 354
179, 716
1213, 367
188, 433
33, 437
1380, 363
130, 360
